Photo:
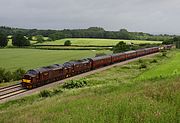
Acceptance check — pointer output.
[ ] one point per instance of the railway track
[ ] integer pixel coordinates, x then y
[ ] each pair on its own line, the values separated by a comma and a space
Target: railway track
10, 91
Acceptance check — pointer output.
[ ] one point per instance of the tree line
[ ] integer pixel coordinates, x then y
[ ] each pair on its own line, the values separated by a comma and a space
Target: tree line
22, 37
92, 32
18, 39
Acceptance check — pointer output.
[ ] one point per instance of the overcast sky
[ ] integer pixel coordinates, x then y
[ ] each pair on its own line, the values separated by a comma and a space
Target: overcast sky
152, 16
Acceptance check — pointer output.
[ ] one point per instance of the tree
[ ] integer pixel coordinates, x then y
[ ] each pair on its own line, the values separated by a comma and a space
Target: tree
67, 43
96, 29
167, 42
19, 40
30, 38
176, 41
124, 34
120, 47
39, 38
3, 40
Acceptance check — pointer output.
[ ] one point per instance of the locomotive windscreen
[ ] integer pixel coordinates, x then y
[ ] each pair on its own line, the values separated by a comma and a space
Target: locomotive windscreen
33, 72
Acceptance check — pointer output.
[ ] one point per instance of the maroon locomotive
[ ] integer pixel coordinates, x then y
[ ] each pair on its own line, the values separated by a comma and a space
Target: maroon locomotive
41, 76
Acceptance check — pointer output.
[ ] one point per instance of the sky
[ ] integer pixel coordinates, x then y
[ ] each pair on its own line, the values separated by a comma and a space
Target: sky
151, 16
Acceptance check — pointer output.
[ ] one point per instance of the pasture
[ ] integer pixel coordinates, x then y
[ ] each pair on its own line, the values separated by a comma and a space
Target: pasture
12, 59
111, 96
95, 42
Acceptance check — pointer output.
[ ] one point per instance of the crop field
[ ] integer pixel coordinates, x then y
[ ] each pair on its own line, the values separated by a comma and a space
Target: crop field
95, 42
12, 59
112, 95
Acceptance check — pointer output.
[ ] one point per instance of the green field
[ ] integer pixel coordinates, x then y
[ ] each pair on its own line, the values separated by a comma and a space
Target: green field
95, 42
171, 68
12, 59
111, 96
72, 48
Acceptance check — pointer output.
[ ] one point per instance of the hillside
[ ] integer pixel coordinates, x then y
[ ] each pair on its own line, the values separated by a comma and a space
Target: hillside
114, 95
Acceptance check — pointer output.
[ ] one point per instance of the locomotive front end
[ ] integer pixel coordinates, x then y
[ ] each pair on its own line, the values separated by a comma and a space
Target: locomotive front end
29, 78
26, 81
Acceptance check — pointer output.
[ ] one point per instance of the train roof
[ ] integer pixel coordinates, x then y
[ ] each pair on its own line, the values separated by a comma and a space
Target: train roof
35, 71
70, 63
44, 69
132, 51
55, 66
100, 57
67, 64
117, 54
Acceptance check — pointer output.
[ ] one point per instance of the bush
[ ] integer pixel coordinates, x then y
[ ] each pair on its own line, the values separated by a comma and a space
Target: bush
45, 93
75, 84
2, 72
56, 91
140, 61
142, 66
164, 54
17, 75
121, 47
5, 76
154, 61
67, 43
8, 76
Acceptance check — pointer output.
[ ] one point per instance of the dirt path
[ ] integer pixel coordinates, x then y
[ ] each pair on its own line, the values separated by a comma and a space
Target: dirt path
36, 90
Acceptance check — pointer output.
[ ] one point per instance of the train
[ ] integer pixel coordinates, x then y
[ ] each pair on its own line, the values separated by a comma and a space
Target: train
44, 75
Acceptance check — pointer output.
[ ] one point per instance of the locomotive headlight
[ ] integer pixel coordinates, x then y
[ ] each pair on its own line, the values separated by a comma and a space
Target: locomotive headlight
26, 80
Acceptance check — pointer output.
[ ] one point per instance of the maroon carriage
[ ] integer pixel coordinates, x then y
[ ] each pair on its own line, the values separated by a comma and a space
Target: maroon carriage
118, 57
100, 61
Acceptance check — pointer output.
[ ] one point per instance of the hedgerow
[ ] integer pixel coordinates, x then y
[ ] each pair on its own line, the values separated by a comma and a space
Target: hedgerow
7, 76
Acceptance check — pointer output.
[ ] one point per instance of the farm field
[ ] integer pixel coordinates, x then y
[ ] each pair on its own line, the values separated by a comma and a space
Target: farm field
12, 59
113, 95
95, 42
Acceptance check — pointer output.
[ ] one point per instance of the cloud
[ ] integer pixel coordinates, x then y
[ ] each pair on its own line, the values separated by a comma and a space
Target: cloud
155, 16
